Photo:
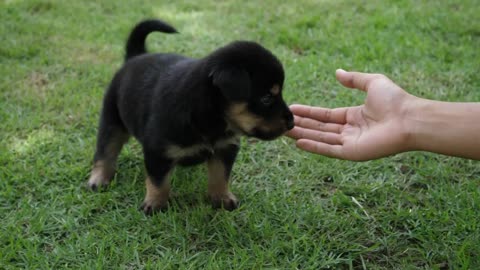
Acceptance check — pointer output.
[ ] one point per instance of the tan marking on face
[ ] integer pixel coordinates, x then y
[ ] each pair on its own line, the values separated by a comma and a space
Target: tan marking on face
240, 116
157, 196
275, 126
266, 128
275, 90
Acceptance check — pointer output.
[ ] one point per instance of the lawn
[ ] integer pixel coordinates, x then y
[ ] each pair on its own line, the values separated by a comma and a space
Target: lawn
298, 210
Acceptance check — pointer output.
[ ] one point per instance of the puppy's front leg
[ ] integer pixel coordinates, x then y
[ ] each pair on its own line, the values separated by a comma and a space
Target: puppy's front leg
219, 168
157, 183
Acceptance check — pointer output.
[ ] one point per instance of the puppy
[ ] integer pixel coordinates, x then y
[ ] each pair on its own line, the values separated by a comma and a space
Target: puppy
186, 111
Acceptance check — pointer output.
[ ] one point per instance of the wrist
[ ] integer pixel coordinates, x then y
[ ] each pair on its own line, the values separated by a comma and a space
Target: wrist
413, 109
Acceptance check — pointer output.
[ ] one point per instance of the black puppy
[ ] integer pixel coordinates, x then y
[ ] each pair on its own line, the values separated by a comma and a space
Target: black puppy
186, 111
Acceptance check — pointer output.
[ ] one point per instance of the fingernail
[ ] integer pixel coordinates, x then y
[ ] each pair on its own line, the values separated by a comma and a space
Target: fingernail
340, 70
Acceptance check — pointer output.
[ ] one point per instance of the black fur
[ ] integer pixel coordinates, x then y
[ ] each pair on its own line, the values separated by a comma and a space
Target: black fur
170, 102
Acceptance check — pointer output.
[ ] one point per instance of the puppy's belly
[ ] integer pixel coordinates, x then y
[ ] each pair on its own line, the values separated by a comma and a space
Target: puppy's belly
191, 155
197, 153
195, 159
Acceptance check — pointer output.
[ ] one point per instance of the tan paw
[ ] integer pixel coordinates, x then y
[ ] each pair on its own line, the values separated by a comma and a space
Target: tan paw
150, 207
100, 177
227, 201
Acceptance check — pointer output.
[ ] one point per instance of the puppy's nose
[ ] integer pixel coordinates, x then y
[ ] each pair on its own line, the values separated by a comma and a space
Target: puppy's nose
289, 120
290, 124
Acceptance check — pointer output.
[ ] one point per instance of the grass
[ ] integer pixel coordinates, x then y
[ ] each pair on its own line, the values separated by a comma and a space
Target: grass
411, 211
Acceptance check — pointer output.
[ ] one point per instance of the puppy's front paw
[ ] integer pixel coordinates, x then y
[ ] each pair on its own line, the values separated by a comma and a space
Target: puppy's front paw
227, 201
150, 207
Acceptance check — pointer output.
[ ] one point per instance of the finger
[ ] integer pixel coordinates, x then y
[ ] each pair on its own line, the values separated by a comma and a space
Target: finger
358, 80
325, 115
293, 133
317, 125
333, 151
320, 136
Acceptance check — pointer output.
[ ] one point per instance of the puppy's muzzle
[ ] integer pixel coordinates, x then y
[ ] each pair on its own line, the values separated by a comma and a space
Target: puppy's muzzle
273, 129
289, 120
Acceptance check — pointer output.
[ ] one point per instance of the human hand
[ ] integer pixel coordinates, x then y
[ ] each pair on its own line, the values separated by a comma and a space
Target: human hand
373, 130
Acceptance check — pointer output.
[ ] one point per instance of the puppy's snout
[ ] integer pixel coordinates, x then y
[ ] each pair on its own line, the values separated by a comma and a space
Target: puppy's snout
290, 124
289, 120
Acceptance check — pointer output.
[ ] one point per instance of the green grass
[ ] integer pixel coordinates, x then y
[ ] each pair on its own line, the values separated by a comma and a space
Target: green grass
411, 211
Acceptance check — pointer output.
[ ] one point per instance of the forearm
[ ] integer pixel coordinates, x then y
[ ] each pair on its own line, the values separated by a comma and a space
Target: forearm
445, 127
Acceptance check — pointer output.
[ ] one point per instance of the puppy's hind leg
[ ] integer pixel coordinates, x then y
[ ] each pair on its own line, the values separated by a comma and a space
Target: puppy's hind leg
219, 168
111, 137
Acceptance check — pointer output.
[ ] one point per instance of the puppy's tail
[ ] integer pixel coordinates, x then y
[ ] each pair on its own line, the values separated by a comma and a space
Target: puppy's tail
136, 40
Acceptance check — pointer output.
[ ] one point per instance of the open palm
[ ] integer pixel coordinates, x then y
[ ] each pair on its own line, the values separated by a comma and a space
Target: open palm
365, 132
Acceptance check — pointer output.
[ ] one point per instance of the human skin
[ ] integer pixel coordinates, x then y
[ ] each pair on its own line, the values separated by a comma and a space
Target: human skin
390, 121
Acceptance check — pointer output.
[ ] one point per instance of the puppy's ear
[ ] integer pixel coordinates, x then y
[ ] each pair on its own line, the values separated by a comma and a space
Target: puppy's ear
234, 83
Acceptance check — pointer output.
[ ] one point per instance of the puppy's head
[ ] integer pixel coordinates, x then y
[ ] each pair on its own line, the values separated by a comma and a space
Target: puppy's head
250, 78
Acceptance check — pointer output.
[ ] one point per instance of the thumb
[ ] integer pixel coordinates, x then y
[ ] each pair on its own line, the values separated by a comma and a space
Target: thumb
356, 80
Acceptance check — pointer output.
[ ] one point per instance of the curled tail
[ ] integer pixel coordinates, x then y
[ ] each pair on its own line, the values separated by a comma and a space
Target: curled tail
136, 40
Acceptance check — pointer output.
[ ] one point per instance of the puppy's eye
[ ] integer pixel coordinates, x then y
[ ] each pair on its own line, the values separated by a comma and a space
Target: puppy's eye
267, 99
